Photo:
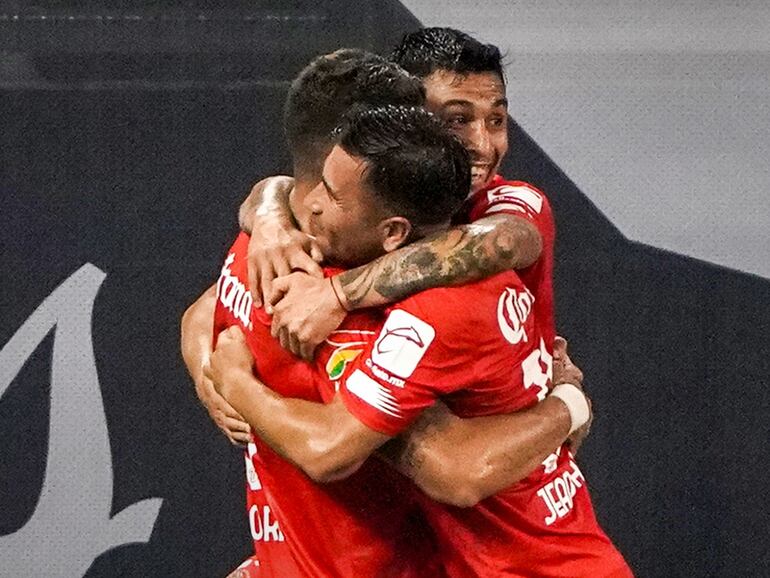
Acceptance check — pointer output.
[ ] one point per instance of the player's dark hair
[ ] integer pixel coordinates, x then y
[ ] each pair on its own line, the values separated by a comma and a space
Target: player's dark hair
414, 166
327, 87
430, 49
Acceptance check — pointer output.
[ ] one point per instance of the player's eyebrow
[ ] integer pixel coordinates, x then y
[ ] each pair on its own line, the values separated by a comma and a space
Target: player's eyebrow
328, 188
456, 102
462, 102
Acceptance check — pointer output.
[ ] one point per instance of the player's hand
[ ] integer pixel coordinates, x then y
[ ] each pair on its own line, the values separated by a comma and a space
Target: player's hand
565, 371
305, 312
230, 358
276, 250
222, 413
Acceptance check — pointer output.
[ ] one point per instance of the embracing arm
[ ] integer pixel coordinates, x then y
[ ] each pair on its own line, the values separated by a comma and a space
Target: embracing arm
277, 247
269, 196
324, 440
196, 342
307, 310
459, 255
462, 461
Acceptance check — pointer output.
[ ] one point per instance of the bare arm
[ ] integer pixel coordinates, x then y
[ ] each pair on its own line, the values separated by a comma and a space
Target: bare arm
269, 196
196, 342
462, 461
277, 247
306, 310
460, 255
324, 440
455, 461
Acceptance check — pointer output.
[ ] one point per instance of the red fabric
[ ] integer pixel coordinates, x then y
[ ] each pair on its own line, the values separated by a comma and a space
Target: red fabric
366, 525
524, 200
480, 349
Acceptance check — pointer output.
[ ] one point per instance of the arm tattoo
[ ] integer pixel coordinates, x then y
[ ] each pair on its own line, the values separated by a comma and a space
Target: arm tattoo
459, 255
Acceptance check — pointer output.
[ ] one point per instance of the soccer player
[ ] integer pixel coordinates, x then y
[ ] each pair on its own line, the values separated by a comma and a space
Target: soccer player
478, 346
493, 452
512, 226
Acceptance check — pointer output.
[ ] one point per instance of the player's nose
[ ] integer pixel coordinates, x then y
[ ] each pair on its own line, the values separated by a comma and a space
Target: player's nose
313, 200
478, 140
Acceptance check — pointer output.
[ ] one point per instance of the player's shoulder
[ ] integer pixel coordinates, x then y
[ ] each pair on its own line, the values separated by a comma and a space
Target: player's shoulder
503, 195
460, 312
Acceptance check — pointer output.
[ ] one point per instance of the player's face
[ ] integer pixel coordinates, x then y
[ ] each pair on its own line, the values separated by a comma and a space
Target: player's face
476, 110
343, 215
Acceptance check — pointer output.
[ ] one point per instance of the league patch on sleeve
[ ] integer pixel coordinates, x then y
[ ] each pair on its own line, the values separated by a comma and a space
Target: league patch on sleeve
402, 343
373, 393
517, 198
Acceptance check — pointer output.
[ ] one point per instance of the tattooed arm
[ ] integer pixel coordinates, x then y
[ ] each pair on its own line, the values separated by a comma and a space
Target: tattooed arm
306, 310
460, 255
462, 461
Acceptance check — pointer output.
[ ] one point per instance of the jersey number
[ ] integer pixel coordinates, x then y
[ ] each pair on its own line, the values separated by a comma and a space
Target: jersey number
534, 375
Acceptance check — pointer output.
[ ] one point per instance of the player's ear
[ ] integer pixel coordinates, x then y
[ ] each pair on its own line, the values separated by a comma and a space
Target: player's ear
394, 232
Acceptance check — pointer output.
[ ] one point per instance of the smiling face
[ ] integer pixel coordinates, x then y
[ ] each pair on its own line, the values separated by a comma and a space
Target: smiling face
475, 108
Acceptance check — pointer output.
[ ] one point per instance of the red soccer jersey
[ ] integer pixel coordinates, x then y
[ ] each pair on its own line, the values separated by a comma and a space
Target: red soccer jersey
523, 200
366, 525
478, 347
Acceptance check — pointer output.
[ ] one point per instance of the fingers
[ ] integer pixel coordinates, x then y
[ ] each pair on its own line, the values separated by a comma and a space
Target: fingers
559, 348
294, 344
303, 261
307, 351
266, 284
280, 288
282, 268
315, 252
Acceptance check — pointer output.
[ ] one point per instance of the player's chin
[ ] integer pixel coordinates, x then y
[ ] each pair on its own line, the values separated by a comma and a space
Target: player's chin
479, 181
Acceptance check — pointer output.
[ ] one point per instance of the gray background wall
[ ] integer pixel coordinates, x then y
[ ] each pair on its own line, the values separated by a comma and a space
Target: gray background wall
658, 111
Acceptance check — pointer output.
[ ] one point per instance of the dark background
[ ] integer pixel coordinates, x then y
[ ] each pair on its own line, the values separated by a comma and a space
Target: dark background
129, 141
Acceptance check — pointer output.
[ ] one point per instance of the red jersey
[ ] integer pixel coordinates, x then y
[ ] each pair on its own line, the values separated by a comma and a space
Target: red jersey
523, 200
366, 525
478, 347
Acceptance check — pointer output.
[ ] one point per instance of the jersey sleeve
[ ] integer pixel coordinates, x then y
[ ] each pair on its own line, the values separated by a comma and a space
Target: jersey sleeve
515, 198
398, 375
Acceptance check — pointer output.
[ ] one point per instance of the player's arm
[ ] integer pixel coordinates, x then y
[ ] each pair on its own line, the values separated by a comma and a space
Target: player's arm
459, 255
462, 461
196, 341
324, 440
277, 246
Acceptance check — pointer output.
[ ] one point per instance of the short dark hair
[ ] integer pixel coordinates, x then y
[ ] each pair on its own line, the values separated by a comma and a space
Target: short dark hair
430, 49
327, 87
414, 166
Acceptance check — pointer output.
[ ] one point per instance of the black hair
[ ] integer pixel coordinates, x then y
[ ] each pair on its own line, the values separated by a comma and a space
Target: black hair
430, 49
327, 87
414, 166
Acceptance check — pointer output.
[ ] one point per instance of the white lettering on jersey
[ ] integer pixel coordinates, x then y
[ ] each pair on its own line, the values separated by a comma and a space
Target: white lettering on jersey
373, 393
251, 474
558, 494
513, 309
233, 295
537, 370
384, 375
402, 343
514, 197
264, 527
